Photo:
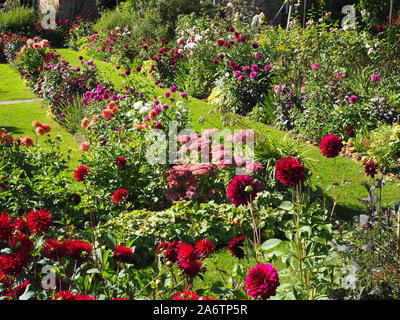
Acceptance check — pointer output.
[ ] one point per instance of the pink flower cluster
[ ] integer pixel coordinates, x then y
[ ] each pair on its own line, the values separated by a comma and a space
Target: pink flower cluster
218, 154
182, 180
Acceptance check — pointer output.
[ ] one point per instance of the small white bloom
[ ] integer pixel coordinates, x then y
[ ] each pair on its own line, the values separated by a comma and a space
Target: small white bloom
138, 105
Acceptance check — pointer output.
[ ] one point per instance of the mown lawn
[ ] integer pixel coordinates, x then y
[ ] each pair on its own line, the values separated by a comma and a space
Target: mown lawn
11, 86
17, 118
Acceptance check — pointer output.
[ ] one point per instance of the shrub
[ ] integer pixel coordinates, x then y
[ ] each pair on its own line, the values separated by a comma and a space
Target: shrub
111, 19
18, 19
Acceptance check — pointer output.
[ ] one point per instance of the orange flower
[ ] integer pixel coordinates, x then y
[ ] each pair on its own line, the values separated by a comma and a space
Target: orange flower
39, 131
27, 141
84, 122
85, 146
36, 124
106, 113
111, 105
88, 128
146, 125
94, 118
46, 128
6, 138
115, 110
152, 114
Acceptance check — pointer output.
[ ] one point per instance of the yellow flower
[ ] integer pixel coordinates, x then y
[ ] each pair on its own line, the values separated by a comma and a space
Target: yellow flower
280, 48
147, 65
215, 96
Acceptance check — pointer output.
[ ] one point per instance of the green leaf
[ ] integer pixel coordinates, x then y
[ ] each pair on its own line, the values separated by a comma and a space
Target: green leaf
346, 182
286, 205
269, 244
93, 270
6, 251
306, 229
27, 294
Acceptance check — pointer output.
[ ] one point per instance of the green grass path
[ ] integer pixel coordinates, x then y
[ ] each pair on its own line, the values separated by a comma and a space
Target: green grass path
17, 118
12, 86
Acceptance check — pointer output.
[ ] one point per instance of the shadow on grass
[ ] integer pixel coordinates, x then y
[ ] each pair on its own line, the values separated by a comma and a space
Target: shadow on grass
14, 130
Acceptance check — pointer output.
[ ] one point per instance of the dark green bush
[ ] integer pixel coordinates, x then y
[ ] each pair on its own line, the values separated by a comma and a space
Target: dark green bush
158, 19
111, 19
19, 19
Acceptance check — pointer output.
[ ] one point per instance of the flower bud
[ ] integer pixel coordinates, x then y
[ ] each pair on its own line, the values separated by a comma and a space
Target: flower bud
169, 263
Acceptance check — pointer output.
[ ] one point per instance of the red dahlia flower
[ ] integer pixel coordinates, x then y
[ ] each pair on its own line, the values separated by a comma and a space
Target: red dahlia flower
371, 169
67, 295
78, 249
331, 145
81, 173
235, 247
204, 248
27, 141
162, 247
171, 252
6, 226
120, 162
21, 244
55, 250
289, 171
21, 225
119, 195
12, 264
188, 260
262, 281
123, 254
186, 295
39, 221
17, 291
243, 190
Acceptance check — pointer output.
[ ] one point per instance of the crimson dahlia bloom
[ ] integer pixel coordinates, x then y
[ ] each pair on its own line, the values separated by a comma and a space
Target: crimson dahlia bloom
235, 247
17, 291
331, 145
371, 169
162, 247
262, 281
55, 250
78, 249
6, 226
120, 162
119, 195
39, 221
243, 190
123, 254
186, 295
12, 264
204, 248
171, 251
188, 260
289, 171
67, 295
81, 173
21, 244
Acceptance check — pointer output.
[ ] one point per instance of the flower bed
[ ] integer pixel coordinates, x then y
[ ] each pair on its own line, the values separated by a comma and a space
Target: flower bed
153, 205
